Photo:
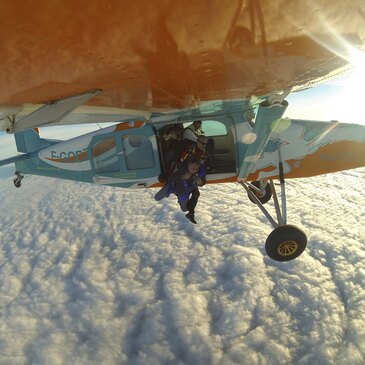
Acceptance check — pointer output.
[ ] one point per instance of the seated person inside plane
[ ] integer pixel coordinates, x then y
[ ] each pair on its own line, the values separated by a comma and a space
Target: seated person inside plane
193, 131
172, 143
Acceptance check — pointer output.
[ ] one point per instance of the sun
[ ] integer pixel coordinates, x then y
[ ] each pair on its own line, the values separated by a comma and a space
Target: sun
357, 59
349, 106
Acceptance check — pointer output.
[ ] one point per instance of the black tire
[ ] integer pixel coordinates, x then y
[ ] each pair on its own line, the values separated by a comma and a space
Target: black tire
262, 198
285, 243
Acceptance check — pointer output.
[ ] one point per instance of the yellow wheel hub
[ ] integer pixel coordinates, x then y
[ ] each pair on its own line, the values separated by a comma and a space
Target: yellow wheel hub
287, 248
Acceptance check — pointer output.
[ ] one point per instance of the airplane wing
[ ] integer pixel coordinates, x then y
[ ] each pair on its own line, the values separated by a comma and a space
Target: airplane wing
163, 55
68, 111
49, 114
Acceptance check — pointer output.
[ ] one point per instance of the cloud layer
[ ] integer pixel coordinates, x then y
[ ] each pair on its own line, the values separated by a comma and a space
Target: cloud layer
92, 274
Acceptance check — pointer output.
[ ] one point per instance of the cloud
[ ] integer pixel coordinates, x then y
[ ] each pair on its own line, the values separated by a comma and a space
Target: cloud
94, 274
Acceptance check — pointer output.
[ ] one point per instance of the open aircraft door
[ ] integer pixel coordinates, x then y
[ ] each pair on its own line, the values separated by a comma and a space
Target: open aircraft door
127, 157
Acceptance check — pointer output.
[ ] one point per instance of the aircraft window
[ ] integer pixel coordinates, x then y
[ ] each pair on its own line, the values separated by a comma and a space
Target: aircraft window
212, 128
138, 152
105, 157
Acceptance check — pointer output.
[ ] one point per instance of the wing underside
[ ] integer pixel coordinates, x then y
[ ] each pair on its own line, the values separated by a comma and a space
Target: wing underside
176, 57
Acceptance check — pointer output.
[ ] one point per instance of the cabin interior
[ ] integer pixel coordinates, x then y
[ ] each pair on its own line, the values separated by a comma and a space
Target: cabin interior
221, 154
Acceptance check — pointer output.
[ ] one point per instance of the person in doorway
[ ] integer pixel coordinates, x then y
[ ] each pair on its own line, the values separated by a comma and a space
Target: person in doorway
189, 150
171, 144
193, 131
194, 150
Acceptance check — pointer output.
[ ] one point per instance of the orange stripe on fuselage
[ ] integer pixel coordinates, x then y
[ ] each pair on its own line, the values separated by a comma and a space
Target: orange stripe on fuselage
337, 156
255, 176
217, 181
131, 125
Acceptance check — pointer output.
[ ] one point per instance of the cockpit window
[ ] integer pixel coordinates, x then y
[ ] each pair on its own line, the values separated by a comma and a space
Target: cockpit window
212, 128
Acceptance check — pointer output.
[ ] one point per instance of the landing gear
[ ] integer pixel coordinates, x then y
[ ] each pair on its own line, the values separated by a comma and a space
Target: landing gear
286, 242
262, 191
18, 179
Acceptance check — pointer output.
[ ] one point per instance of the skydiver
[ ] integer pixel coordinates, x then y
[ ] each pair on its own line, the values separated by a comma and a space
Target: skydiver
184, 183
194, 150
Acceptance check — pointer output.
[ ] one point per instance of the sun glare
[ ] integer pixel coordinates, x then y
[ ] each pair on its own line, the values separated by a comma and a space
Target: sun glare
348, 101
351, 95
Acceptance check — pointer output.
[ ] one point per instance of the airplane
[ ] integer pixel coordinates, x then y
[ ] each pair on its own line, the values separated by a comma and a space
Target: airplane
147, 66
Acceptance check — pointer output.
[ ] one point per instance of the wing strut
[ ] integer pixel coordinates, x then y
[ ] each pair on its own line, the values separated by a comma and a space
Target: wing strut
265, 126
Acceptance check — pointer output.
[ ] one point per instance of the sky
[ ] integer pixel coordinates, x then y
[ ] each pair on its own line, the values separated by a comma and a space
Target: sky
99, 275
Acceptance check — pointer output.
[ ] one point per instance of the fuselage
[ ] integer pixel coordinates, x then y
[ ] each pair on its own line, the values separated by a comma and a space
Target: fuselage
133, 154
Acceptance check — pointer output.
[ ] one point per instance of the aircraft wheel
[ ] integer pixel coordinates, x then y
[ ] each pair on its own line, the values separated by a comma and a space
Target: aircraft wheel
263, 198
285, 243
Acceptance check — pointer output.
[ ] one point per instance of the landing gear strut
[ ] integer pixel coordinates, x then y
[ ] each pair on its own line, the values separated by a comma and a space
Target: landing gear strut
18, 179
286, 242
